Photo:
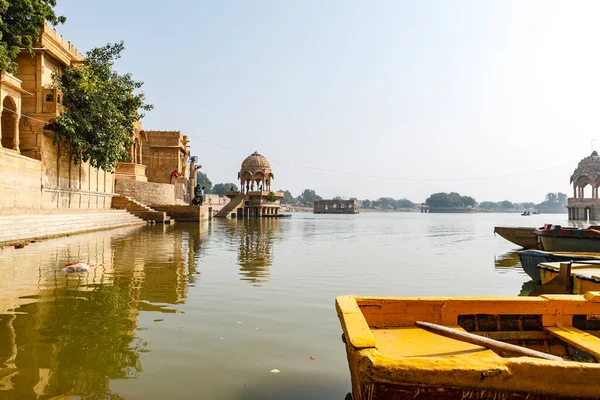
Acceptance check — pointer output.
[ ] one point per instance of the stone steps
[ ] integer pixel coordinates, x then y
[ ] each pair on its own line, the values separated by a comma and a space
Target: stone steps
231, 206
35, 226
140, 210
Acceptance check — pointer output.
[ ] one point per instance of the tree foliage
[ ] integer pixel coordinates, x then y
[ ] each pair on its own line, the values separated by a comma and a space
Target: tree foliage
452, 199
202, 180
308, 197
102, 107
21, 23
287, 197
222, 188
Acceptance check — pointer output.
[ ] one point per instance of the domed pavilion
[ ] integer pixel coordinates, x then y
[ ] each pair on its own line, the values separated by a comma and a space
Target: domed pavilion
587, 173
255, 173
255, 198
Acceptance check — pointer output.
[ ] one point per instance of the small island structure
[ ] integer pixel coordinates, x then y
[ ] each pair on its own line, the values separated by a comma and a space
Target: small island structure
335, 207
583, 208
255, 198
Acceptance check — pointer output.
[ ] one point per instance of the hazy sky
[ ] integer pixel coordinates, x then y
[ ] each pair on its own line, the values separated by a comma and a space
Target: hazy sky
492, 99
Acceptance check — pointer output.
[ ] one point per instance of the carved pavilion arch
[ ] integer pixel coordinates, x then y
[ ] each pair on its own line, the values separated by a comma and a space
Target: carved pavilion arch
586, 174
10, 123
255, 174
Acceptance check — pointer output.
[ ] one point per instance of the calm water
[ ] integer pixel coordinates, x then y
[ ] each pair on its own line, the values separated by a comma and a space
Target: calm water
206, 312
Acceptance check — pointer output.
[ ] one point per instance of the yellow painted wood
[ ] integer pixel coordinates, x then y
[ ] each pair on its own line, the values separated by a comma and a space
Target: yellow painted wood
398, 353
354, 325
417, 342
593, 297
578, 338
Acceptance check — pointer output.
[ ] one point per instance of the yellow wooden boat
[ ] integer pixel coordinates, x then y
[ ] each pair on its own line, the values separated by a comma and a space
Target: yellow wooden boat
390, 358
584, 276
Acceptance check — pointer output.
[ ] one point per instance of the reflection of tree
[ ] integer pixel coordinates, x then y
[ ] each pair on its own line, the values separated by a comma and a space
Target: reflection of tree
507, 260
78, 333
93, 334
255, 251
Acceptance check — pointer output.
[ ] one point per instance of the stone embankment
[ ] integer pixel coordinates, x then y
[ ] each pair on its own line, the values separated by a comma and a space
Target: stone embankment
37, 224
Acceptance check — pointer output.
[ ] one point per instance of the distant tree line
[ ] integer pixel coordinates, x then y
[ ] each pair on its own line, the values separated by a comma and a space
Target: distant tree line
219, 189
452, 199
387, 203
554, 202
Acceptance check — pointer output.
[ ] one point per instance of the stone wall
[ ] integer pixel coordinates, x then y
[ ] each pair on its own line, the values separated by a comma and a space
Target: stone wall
19, 181
67, 185
147, 192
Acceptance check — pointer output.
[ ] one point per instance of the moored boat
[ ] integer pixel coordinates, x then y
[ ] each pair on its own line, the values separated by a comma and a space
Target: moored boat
391, 358
530, 259
584, 276
558, 238
521, 236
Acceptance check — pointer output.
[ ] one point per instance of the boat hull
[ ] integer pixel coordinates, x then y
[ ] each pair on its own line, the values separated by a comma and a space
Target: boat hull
523, 237
389, 358
586, 278
530, 259
571, 244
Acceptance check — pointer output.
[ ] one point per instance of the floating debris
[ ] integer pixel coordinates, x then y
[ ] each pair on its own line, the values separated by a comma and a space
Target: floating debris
239, 322
313, 357
85, 348
158, 320
76, 267
275, 371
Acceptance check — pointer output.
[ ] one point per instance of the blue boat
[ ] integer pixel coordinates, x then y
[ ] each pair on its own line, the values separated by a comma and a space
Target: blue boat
530, 259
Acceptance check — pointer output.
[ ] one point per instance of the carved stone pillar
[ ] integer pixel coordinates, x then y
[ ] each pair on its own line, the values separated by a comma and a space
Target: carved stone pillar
16, 132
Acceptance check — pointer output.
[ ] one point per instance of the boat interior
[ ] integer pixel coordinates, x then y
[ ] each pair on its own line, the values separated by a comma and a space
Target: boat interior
567, 326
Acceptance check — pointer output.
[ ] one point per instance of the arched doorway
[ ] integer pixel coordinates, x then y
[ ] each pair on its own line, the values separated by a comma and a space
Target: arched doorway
9, 124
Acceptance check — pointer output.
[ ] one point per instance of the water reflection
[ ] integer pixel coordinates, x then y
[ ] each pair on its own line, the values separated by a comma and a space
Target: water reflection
509, 259
255, 252
70, 335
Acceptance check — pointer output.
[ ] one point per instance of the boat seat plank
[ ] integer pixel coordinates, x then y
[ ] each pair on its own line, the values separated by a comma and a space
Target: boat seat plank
578, 338
417, 342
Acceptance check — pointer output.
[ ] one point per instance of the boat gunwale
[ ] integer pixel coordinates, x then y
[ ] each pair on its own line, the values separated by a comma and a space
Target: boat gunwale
506, 375
593, 278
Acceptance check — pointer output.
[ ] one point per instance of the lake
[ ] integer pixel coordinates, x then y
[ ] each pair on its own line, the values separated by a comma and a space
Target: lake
207, 311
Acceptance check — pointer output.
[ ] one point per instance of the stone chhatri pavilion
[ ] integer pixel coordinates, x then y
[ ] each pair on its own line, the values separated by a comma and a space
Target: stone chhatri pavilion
580, 207
255, 198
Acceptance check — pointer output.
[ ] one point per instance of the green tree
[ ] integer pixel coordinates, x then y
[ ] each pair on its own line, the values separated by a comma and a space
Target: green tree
452, 199
386, 203
487, 205
308, 197
287, 197
439, 200
101, 109
21, 26
366, 203
551, 198
222, 188
404, 203
202, 180
562, 199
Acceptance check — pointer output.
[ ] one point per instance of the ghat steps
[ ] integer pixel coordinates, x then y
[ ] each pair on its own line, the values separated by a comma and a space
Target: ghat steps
231, 206
36, 225
140, 210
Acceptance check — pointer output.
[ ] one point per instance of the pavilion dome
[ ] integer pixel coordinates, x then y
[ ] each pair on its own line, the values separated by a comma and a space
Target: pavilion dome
256, 161
588, 169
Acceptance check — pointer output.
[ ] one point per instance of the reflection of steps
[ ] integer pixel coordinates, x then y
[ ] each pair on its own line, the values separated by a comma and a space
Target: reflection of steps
38, 224
140, 210
231, 206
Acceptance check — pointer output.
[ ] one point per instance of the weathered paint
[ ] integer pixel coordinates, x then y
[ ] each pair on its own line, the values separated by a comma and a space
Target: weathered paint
407, 362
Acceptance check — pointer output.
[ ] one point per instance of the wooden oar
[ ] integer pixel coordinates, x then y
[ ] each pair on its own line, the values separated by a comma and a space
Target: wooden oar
484, 342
